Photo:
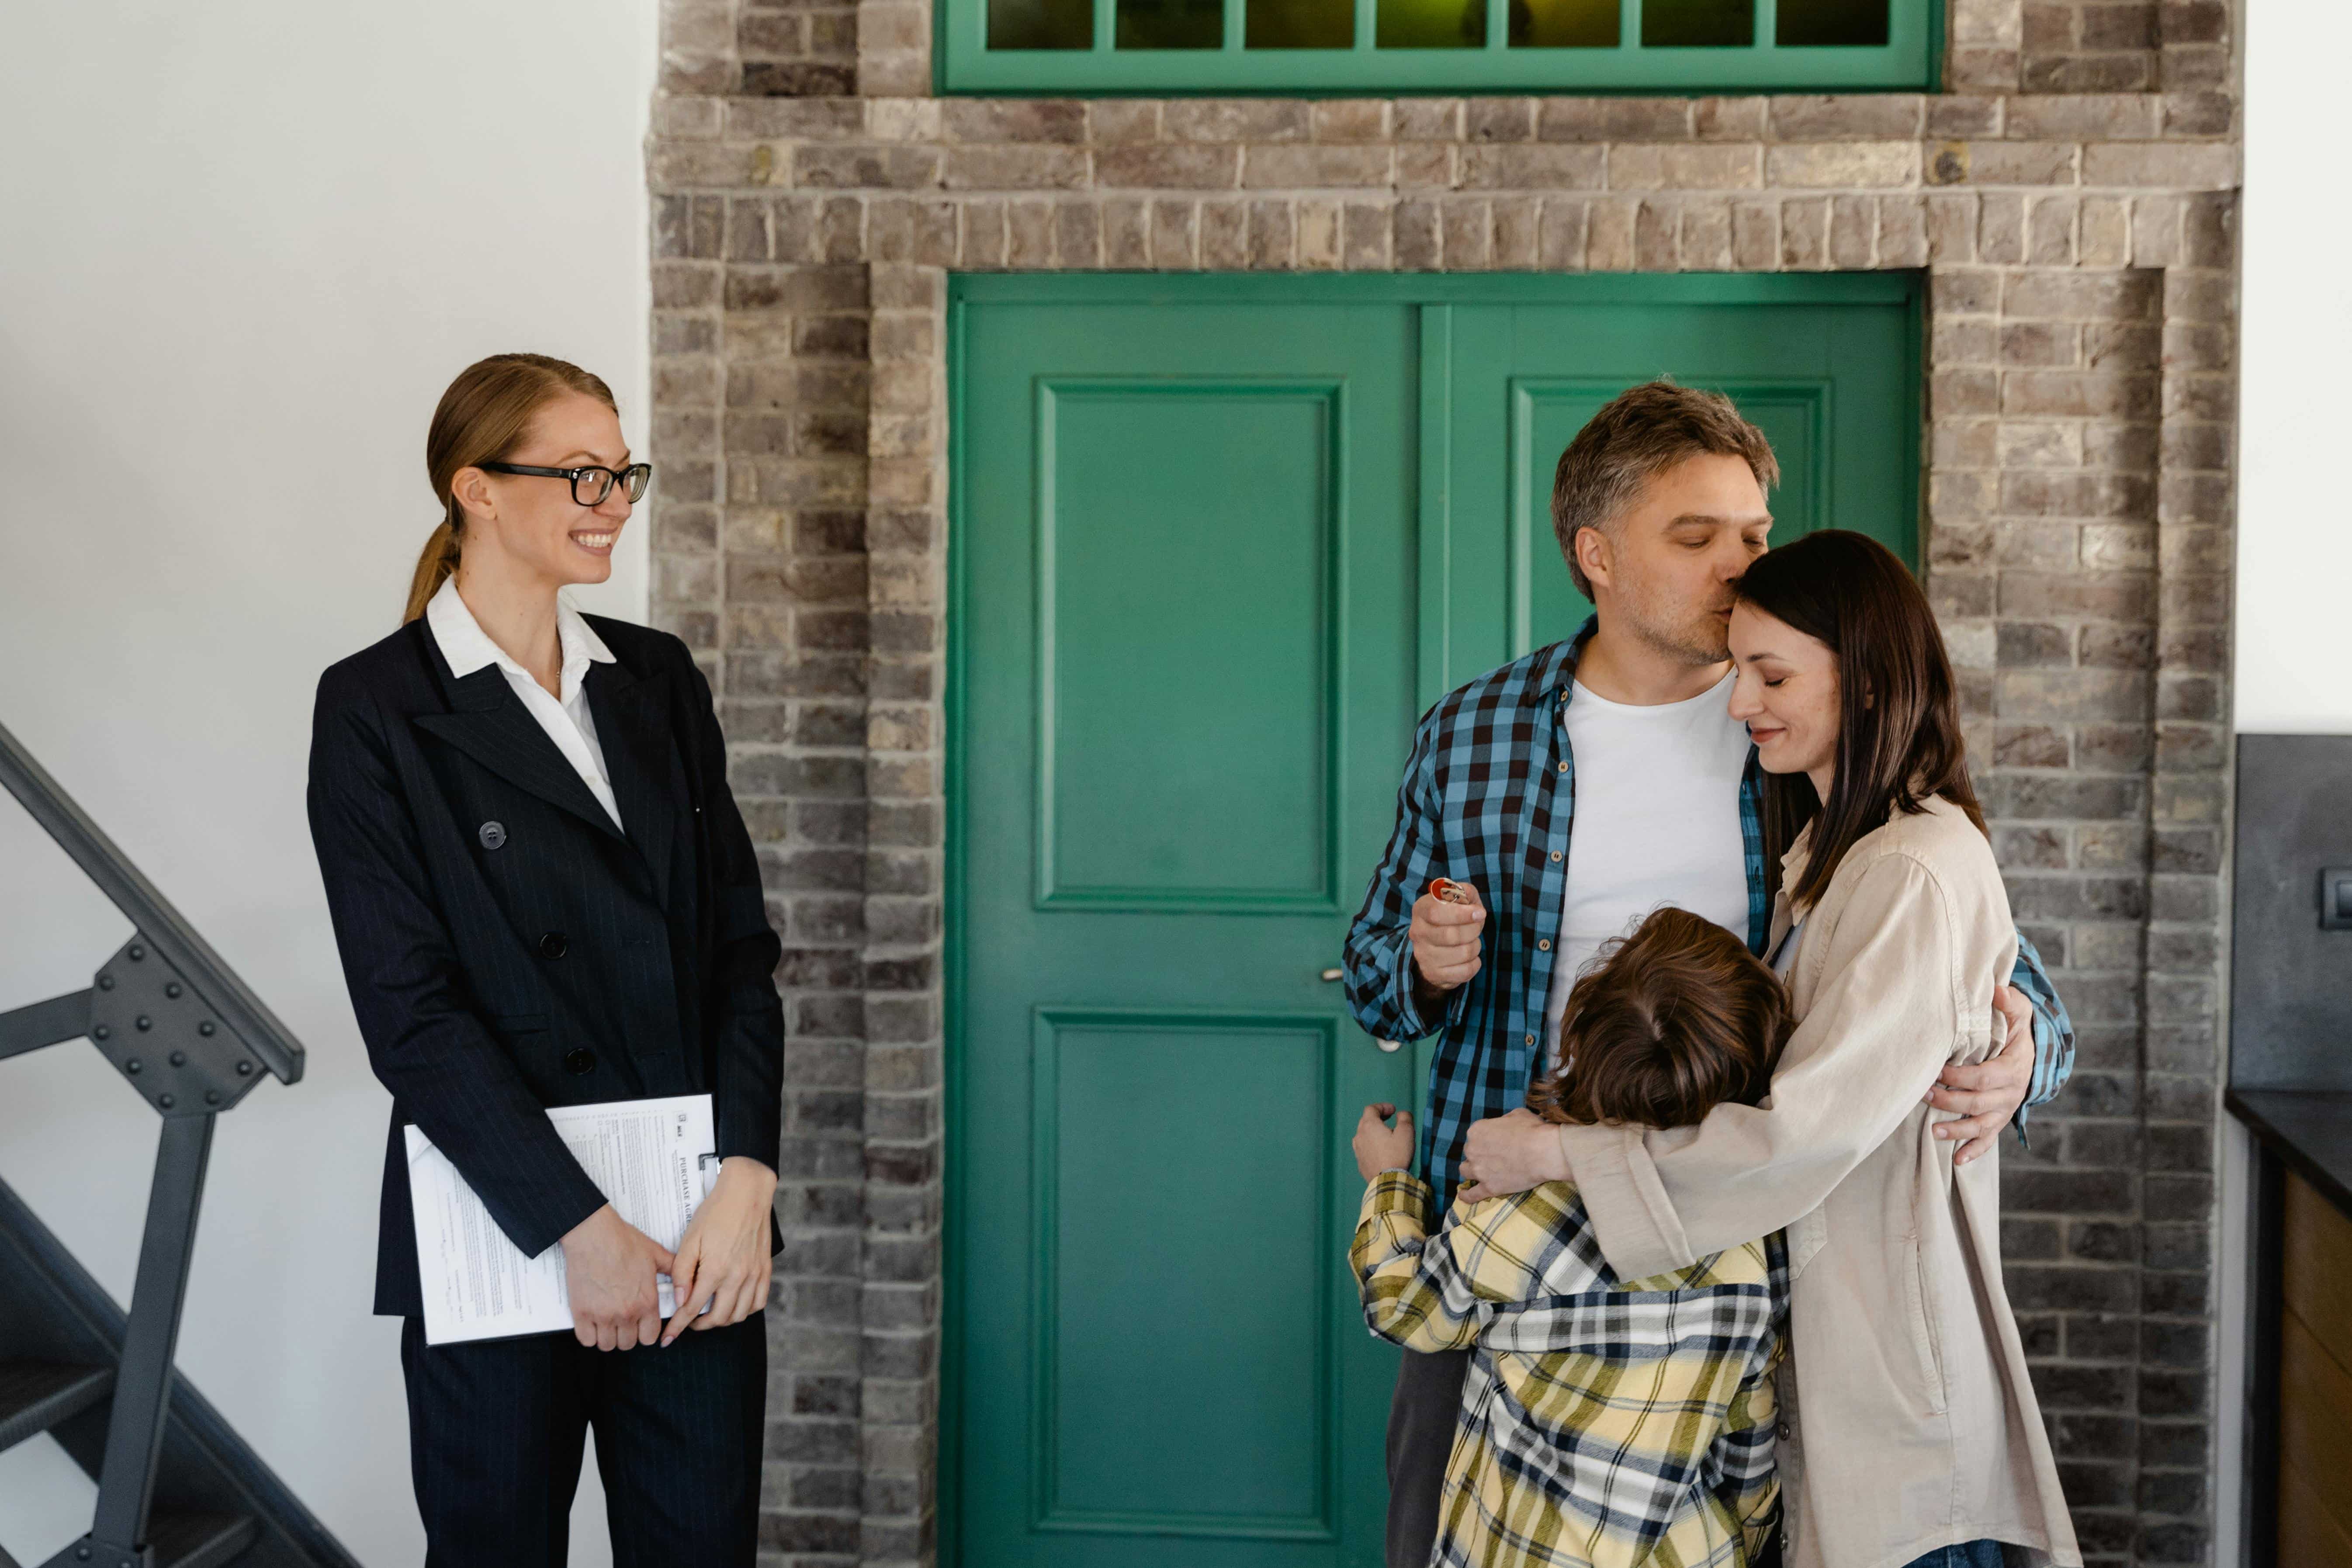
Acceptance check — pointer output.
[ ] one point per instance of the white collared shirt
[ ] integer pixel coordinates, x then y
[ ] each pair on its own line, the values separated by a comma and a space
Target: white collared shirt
568, 722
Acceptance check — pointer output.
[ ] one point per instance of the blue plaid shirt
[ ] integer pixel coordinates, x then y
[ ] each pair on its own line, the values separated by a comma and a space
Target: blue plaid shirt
1488, 797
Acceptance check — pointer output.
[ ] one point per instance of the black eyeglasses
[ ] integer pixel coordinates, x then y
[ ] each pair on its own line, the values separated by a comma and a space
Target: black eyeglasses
590, 485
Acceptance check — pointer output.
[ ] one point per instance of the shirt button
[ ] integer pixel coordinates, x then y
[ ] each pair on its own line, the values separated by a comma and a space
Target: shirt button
1555, 854
1542, 946
577, 1062
1531, 1039
552, 945
1563, 767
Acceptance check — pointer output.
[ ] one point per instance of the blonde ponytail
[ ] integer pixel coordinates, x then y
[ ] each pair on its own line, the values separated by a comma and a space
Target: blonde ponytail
485, 412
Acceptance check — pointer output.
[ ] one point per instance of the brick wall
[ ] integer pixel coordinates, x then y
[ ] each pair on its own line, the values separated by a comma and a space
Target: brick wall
809, 203
2173, 46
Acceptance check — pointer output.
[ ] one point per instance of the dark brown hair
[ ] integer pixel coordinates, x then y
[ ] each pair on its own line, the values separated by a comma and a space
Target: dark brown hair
1639, 434
1898, 712
481, 418
1674, 1020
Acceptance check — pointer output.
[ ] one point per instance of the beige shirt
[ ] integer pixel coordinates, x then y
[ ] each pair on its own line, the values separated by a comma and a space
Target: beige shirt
1909, 1419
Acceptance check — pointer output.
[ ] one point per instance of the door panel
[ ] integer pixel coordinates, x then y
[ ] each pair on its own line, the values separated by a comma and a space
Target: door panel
1239, 1442
1216, 542
1186, 554
1225, 500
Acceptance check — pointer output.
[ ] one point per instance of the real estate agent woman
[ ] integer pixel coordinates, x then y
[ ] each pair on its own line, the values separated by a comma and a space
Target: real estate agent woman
544, 896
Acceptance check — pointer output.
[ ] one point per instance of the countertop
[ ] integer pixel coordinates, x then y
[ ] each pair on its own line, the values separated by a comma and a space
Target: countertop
2310, 1129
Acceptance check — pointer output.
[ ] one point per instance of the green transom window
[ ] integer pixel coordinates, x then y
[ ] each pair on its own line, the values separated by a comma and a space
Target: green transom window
1433, 46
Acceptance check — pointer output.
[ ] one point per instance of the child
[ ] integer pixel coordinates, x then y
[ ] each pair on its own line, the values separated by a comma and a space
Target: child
1605, 1423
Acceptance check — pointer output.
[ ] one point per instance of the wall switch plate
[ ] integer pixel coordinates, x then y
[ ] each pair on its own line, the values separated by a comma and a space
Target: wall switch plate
2335, 897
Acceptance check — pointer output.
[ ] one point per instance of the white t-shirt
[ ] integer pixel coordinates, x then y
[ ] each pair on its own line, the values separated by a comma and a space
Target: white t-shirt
1657, 822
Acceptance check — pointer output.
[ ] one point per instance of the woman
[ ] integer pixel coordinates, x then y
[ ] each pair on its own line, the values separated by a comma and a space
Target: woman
544, 896
1910, 1433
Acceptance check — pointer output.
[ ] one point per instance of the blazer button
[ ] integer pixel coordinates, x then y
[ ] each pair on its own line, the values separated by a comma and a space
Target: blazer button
491, 834
552, 945
576, 1062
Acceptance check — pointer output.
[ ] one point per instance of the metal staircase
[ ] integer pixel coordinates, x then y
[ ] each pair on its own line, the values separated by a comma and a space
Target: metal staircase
176, 1487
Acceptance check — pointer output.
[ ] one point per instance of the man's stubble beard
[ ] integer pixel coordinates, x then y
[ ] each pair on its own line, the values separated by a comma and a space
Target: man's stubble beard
1697, 641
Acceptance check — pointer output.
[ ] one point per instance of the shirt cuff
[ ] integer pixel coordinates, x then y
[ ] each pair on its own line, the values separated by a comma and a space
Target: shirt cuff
1633, 1219
1396, 1191
1400, 1195
2044, 1045
1407, 999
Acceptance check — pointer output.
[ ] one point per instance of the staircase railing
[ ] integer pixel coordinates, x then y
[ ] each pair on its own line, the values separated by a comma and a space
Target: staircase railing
192, 1041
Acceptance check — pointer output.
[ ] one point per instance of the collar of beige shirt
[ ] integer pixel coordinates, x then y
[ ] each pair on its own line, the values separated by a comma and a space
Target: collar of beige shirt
1799, 852
468, 647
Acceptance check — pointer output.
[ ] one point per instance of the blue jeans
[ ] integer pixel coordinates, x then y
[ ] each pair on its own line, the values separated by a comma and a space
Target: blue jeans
1967, 1554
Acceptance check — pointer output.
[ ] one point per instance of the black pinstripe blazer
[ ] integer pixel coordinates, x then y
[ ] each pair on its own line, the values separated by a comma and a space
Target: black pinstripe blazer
508, 949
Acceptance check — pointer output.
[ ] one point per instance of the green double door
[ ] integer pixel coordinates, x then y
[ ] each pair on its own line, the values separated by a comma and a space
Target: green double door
1217, 542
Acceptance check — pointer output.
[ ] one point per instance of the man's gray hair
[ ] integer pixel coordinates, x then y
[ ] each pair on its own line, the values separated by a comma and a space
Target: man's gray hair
1640, 433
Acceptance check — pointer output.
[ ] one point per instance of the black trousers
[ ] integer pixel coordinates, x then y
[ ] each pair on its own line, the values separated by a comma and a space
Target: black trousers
495, 1431
1424, 1413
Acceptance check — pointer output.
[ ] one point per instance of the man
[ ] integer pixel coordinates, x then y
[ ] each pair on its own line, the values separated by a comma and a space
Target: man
1576, 790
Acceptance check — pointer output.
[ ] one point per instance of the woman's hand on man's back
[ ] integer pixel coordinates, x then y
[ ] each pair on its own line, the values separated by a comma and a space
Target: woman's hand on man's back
1986, 1095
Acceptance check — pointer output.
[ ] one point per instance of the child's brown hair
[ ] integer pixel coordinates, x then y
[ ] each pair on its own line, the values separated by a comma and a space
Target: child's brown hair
1675, 1019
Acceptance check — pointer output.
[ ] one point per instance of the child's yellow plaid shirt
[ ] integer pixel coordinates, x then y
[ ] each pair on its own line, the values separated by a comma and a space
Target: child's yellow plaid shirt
1604, 1424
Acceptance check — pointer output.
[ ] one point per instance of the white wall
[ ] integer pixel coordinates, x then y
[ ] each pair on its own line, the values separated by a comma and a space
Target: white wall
243, 246
2294, 536
2295, 509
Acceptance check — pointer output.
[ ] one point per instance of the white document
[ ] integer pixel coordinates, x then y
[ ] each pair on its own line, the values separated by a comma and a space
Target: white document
655, 1161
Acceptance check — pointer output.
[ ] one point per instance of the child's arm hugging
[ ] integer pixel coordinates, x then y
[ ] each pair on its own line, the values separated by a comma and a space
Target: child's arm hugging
1412, 1293
1418, 1296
